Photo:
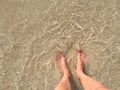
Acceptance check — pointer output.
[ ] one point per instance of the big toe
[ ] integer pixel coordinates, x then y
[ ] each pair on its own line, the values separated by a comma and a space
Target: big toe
80, 53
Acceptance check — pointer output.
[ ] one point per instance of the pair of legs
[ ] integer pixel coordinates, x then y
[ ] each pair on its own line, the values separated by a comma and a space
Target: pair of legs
87, 82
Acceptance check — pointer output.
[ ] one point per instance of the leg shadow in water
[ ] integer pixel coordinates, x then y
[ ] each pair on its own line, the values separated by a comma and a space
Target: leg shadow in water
76, 84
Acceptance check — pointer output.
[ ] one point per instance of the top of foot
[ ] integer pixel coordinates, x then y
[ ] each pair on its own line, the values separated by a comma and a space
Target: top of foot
62, 64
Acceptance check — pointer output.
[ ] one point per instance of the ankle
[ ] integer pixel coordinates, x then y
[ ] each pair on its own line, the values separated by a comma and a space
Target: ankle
81, 75
67, 76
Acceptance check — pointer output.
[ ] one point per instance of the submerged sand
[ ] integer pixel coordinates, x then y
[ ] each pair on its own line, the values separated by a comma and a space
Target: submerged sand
33, 31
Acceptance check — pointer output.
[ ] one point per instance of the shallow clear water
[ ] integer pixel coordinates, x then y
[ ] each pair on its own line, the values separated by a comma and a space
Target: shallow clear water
33, 31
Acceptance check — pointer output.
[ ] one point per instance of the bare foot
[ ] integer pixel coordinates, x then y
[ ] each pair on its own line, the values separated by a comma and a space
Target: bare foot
62, 64
81, 61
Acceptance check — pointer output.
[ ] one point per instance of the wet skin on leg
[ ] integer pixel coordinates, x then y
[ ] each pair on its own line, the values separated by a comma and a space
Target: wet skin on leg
87, 82
65, 83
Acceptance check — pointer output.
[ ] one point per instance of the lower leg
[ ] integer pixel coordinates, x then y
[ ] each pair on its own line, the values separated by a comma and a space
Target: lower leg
64, 84
87, 82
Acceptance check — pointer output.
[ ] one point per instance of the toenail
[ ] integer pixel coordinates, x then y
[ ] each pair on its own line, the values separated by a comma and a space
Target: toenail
80, 51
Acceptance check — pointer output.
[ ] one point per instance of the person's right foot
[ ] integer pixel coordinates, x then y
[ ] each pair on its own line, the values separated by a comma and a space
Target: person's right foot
81, 61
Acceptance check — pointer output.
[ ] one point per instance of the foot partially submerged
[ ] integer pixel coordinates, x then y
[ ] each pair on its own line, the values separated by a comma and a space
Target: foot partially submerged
65, 83
62, 65
81, 61
87, 82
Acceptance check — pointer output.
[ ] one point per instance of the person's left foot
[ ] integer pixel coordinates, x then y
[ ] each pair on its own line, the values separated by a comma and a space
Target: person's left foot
62, 64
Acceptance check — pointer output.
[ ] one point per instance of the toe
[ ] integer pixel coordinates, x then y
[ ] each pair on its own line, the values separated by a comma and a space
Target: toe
83, 57
79, 57
63, 61
79, 54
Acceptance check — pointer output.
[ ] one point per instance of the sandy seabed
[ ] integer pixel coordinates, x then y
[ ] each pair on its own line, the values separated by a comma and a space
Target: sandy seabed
33, 31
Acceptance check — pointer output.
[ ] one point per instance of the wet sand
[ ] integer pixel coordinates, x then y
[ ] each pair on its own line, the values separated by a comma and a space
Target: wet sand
33, 31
